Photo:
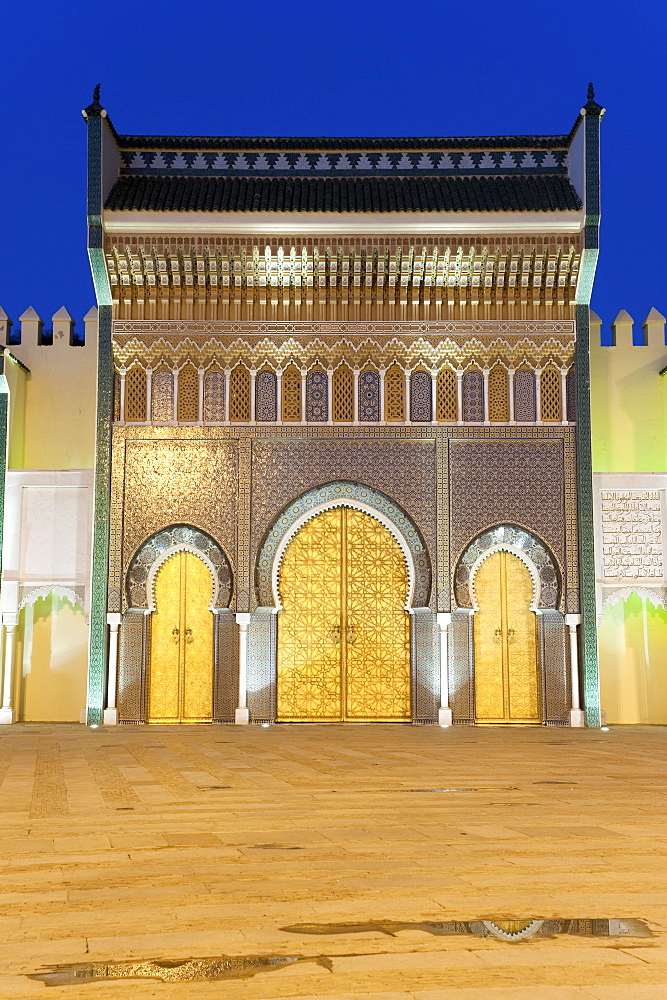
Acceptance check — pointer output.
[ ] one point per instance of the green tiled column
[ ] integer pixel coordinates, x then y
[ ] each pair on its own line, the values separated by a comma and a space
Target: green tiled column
97, 660
592, 112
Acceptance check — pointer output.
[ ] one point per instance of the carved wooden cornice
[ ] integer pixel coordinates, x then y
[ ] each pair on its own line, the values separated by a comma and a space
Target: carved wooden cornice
218, 278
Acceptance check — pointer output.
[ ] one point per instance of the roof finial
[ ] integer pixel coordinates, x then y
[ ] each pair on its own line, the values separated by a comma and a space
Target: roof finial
94, 109
591, 107
96, 91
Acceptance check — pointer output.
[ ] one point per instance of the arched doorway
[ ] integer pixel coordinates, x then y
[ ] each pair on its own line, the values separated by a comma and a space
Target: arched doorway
180, 669
343, 628
506, 686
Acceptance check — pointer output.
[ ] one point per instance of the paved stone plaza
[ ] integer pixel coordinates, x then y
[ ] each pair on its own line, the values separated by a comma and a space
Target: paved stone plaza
331, 844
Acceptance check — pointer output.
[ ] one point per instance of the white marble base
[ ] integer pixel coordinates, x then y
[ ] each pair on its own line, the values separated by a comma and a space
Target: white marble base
110, 717
444, 717
242, 716
6, 716
577, 718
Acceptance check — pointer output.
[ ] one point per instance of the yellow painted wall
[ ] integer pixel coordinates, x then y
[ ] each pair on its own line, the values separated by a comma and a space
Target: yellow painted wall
16, 380
628, 400
59, 402
633, 662
52, 661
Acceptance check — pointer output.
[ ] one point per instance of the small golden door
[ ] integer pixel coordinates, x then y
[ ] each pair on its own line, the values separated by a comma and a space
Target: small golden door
505, 642
180, 671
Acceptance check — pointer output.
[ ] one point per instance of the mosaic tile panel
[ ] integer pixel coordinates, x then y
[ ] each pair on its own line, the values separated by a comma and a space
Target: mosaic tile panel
461, 699
226, 670
473, 397
571, 395
243, 583
425, 648
133, 636
317, 397
214, 396
514, 482
262, 637
180, 481
524, 396
421, 388
369, 397
266, 396
285, 469
554, 657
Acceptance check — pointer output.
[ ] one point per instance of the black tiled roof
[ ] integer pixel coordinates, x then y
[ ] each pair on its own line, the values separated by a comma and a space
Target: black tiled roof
333, 142
544, 193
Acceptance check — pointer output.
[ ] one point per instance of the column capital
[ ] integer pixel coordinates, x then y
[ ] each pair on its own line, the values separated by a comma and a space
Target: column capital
114, 619
243, 619
444, 618
10, 619
573, 620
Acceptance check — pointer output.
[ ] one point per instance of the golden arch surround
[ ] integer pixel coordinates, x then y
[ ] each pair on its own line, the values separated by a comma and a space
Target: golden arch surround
368, 500
520, 554
330, 505
162, 559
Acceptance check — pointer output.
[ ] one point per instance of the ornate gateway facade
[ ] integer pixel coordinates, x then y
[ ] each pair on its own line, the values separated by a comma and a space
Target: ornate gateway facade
343, 460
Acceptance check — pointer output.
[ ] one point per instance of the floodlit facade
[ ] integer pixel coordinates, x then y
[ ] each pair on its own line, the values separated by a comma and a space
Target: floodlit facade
342, 434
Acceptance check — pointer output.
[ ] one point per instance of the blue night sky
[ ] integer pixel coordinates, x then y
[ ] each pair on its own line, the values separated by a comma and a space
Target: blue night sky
345, 68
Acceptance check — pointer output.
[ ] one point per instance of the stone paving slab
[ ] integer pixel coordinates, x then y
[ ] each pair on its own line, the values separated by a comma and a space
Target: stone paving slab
333, 844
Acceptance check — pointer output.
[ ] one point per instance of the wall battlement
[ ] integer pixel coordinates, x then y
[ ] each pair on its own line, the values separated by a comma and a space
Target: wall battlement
51, 390
31, 330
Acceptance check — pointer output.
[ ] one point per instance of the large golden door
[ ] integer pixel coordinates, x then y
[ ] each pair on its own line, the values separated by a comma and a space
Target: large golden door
180, 673
505, 643
343, 633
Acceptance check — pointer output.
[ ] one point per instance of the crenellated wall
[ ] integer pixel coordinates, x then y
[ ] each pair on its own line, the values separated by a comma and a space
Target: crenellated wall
45, 588
629, 419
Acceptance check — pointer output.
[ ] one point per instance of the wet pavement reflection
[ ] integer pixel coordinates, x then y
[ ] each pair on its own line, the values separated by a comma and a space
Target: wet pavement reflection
505, 930
179, 971
239, 967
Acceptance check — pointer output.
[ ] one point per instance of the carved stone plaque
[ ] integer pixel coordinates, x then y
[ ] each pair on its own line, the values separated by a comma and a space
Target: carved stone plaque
632, 542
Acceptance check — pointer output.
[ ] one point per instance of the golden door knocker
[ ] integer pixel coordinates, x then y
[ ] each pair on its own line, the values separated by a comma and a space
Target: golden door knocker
334, 633
188, 635
350, 633
176, 634
510, 635
497, 635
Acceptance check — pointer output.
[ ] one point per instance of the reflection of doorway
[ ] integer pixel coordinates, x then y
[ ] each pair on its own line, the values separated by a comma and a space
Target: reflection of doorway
343, 632
180, 677
505, 642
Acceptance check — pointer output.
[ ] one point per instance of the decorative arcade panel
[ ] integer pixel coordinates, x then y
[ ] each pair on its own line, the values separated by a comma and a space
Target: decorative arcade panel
505, 642
343, 632
180, 674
